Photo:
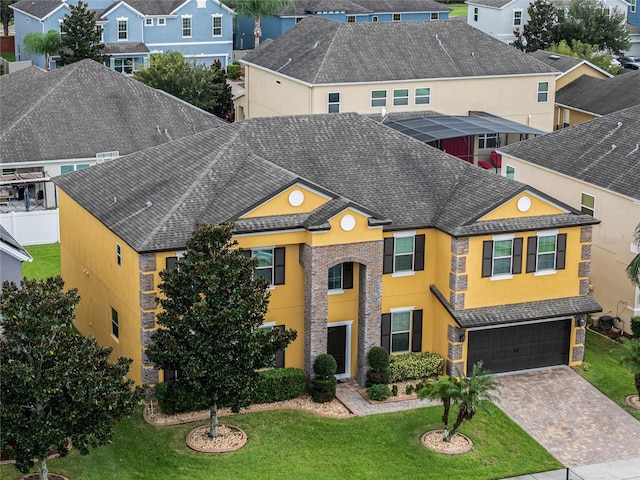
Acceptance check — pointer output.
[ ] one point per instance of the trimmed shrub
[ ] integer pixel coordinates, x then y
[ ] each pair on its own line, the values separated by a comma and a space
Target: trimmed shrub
635, 326
325, 366
279, 384
408, 389
378, 392
180, 396
409, 366
378, 359
233, 70
323, 390
394, 390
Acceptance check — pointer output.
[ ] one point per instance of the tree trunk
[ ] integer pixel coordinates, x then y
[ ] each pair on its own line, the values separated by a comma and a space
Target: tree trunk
43, 472
461, 415
213, 421
257, 32
5, 28
47, 61
637, 381
445, 419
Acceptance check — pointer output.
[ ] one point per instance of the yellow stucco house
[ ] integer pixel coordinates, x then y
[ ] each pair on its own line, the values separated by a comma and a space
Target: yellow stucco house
322, 66
594, 167
367, 237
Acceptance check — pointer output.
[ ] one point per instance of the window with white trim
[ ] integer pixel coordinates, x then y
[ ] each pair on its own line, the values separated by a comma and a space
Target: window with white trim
264, 269
186, 26
333, 104
335, 277
400, 331
435, 15
378, 98
148, 22
543, 92
633, 6
60, 27
511, 172
588, 204
119, 254
403, 253
72, 168
396, 17
502, 256
487, 140
125, 65
546, 252
374, 19
401, 96
351, 19
115, 324
475, 14
423, 96
123, 28
216, 26
162, 22
517, 17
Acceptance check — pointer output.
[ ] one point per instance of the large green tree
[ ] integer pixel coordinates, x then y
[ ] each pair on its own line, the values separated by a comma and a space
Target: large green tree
590, 22
57, 385
258, 9
202, 86
541, 30
47, 44
591, 53
212, 310
633, 269
6, 14
81, 37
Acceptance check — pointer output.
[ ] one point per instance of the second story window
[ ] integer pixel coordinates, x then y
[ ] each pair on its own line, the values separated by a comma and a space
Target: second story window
404, 253
115, 324
588, 204
488, 140
118, 254
475, 14
517, 17
396, 17
401, 96
546, 252
351, 19
148, 22
502, 256
271, 263
186, 27
162, 22
434, 15
423, 96
341, 277
379, 98
334, 103
123, 29
216, 26
543, 92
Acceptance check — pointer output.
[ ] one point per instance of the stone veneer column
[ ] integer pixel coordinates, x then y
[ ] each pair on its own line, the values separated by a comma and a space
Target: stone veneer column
148, 305
316, 262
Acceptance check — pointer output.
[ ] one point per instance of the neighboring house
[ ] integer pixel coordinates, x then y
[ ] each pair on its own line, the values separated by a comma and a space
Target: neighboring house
588, 97
499, 18
12, 254
351, 11
572, 68
366, 236
201, 30
595, 167
633, 27
78, 115
321, 66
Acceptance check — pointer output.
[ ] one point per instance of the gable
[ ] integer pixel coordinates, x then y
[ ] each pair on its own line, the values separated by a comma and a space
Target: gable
348, 226
298, 198
525, 204
121, 9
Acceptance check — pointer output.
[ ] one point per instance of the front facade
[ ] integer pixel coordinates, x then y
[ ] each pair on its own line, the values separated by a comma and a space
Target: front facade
594, 166
344, 11
201, 30
368, 240
453, 69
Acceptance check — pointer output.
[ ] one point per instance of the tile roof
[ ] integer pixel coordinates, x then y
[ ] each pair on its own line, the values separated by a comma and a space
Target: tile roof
304, 7
101, 110
586, 151
601, 96
227, 171
37, 8
519, 312
320, 51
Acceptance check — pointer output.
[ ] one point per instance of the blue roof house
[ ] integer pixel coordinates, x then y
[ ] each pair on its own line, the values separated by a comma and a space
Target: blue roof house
340, 11
201, 30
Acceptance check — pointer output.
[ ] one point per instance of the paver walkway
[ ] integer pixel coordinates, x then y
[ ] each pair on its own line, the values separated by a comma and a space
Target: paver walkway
569, 417
348, 394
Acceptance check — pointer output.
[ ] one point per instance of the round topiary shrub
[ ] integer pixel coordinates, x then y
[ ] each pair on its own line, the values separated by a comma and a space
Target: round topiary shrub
378, 392
378, 359
325, 366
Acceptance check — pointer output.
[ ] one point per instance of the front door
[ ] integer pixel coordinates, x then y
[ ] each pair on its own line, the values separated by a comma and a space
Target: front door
337, 347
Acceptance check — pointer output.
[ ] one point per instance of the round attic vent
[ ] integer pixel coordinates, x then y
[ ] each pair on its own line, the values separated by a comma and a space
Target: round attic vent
296, 198
524, 204
347, 223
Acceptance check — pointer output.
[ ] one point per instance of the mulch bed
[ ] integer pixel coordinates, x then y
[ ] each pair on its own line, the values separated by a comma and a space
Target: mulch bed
35, 476
459, 443
231, 438
633, 401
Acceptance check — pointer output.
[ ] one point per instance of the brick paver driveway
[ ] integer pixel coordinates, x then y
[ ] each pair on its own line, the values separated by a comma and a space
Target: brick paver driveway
569, 417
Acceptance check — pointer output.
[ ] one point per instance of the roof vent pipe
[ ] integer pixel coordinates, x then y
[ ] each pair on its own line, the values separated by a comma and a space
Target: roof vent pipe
613, 147
637, 147
619, 125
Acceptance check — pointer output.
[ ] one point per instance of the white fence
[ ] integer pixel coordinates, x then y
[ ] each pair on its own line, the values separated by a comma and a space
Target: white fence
32, 228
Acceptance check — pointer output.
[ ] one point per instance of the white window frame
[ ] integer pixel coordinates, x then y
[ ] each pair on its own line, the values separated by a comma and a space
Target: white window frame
183, 29
115, 324
271, 268
542, 93
396, 17
400, 100
60, 27
351, 19
330, 103
634, 6
399, 311
161, 22
340, 289
589, 210
485, 138
421, 98
123, 21
118, 254
501, 276
510, 172
518, 14
404, 272
374, 19
378, 101
148, 22
552, 270
215, 17
435, 15
475, 14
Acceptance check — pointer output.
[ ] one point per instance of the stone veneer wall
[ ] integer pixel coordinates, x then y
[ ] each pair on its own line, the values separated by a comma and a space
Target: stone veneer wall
316, 262
458, 284
148, 305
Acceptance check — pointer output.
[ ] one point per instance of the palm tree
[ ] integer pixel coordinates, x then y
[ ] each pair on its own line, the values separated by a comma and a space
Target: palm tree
259, 8
46, 44
445, 390
473, 392
629, 356
633, 269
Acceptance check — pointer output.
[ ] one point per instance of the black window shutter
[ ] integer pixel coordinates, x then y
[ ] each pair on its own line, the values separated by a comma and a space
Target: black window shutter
516, 260
487, 258
416, 331
247, 253
347, 275
532, 253
561, 251
385, 338
280, 353
278, 265
171, 262
387, 265
418, 261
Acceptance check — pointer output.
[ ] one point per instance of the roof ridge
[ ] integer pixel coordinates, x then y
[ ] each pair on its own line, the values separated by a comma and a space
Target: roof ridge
326, 52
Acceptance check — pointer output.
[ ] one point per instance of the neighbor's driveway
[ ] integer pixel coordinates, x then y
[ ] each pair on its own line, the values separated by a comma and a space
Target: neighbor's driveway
569, 417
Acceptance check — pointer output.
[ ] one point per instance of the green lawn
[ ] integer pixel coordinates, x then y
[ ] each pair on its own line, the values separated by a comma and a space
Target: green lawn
289, 444
11, 57
46, 261
457, 9
604, 372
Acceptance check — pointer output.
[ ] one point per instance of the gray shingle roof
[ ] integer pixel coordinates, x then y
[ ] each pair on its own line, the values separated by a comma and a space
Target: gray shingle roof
490, 3
151, 7
601, 96
84, 108
303, 7
126, 47
519, 312
37, 8
227, 171
585, 151
561, 62
12, 243
320, 51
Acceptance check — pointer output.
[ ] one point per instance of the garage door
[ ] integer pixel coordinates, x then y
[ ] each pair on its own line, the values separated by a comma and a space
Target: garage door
521, 347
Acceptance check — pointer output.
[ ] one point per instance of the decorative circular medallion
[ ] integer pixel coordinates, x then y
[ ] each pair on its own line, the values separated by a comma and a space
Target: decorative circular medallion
296, 198
524, 204
347, 223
